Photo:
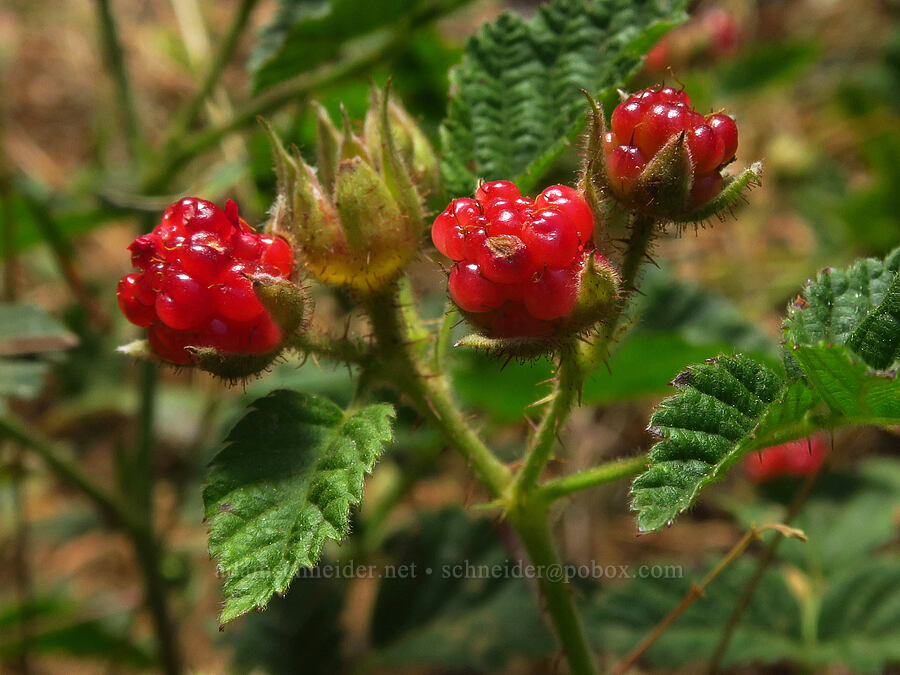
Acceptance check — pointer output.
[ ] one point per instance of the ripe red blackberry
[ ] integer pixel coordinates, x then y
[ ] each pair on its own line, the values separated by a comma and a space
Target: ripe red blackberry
518, 261
193, 288
646, 121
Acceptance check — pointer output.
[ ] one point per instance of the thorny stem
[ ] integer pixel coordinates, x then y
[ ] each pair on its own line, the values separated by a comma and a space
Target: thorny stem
532, 525
697, 590
428, 391
552, 490
397, 333
642, 229
565, 394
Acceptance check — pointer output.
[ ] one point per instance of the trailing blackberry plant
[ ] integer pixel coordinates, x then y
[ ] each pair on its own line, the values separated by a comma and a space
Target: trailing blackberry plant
535, 272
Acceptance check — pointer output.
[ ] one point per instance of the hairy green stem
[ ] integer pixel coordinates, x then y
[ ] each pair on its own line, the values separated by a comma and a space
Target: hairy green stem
396, 338
442, 347
598, 475
398, 332
642, 231
115, 58
568, 384
531, 523
343, 350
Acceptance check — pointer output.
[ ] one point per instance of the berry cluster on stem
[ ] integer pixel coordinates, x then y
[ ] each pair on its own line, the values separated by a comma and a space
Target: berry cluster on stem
194, 287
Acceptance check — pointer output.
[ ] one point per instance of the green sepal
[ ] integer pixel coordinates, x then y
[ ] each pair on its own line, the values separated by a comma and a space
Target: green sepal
665, 184
732, 189
328, 140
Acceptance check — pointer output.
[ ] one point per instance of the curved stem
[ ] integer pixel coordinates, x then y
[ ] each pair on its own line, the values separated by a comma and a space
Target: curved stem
397, 338
451, 317
598, 475
568, 384
532, 526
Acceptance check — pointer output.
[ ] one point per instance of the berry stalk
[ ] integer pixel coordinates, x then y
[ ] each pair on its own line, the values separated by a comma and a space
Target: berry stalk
396, 336
568, 385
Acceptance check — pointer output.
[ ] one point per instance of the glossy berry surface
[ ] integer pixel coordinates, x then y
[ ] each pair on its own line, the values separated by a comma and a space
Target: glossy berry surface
517, 261
193, 289
796, 458
646, 121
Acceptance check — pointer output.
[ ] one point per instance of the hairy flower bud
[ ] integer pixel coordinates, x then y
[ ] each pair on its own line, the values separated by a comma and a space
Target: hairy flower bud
662, 159
357, 221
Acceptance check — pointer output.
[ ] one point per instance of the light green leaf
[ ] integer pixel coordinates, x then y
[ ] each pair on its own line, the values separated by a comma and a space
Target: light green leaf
515, 102
283, 484
848, 387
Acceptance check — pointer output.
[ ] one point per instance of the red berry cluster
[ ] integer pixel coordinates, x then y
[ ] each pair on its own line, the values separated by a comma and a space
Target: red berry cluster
517, 260
193, 289
644, 123
796, 458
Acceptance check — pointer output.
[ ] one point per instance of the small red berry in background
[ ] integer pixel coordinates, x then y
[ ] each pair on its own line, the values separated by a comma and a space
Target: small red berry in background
796, 458
518, 260
644, 122
192, 289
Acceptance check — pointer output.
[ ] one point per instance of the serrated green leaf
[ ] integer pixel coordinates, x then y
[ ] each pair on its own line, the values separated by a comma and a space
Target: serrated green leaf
877, 339
515, 102
848, 387
283, 484
724, 409
835, 306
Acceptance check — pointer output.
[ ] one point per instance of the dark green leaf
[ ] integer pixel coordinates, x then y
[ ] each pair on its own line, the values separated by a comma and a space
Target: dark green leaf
515, 101
283, 484
835, 305
720, 412
768, 633
877, 339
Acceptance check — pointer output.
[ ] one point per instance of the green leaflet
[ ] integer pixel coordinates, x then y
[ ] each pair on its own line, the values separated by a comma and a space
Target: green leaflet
720, 412
515, 102
848, 388
283, 484
835, 306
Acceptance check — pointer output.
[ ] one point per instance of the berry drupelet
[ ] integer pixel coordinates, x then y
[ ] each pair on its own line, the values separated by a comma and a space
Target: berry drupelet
193, 288
518, 261
646, 121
